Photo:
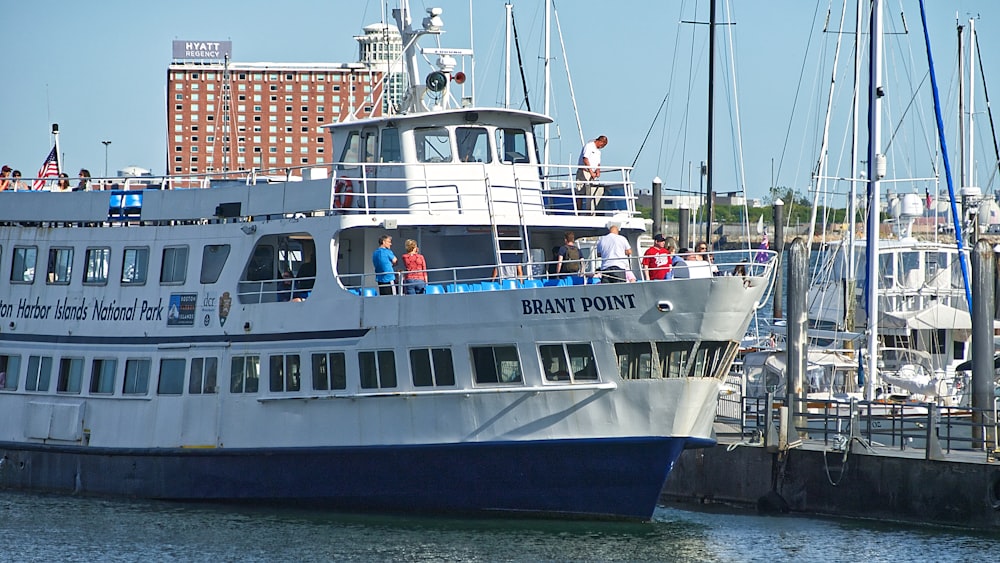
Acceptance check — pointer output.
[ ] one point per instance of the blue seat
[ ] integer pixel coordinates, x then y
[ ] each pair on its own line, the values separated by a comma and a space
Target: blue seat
577, 280
532, 283
510, 284
594, 280
434, 288
355, 291
457, 288
370, 292
132, 203
489, 286
552, 282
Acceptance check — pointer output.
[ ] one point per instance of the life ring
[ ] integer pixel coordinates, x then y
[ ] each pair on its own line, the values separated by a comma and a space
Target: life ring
343, 191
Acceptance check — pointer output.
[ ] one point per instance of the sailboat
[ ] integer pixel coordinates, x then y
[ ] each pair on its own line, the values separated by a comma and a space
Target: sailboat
920, 333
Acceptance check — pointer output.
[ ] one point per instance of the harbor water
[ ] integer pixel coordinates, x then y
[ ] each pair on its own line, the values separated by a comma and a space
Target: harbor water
63, 528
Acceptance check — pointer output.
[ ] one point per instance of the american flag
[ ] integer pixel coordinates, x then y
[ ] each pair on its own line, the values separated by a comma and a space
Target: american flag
49, 169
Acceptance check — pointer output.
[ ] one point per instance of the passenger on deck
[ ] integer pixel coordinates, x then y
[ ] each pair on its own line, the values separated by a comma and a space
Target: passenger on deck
84, 180
569, 256
305, 278
702, 248
589, 171
415, 278
4, 177
62, 184
384, 261
656, 261
614, 251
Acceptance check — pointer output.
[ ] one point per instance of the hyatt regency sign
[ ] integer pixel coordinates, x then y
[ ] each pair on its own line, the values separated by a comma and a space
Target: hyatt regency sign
211, 50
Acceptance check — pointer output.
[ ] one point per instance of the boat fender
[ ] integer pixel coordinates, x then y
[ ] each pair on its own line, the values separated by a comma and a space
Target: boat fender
343, 191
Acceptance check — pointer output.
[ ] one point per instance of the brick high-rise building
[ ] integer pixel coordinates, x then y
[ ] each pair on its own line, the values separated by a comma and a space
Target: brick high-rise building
264, 116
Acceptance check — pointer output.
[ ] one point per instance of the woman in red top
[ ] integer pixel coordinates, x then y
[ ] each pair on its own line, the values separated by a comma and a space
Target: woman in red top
415, 278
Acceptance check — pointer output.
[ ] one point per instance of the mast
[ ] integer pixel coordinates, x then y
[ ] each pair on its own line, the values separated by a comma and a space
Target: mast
709, 195
876, 170
971, 170
509, 17
852, 205
963, 181
548, 79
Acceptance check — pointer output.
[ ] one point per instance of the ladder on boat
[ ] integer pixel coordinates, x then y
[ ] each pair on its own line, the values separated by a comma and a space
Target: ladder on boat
510, 242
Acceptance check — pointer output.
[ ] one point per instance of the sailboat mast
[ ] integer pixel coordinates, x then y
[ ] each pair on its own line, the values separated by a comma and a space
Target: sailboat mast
852, 205
709, 195
876, 169
508, 8
548, 79
971, 174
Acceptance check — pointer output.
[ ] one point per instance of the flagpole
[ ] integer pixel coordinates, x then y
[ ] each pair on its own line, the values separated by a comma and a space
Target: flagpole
55, 135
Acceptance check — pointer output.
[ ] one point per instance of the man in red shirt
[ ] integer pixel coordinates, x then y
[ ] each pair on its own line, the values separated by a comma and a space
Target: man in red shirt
656, 260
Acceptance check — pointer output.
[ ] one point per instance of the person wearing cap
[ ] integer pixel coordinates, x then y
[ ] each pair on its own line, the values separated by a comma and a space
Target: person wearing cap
657, 259
4, 177
614, 251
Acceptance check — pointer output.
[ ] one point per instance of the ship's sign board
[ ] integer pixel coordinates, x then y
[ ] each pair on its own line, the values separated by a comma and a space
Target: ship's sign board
205, 50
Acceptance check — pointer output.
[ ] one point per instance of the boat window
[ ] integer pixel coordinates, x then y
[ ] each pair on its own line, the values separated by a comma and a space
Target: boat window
10, 369
174, 269
496, 364
351, 151
284, 373
213, 259
433, 144
244, 374
135, 263
70, 375
390, 146
936, 263
39, 373
102, 376
60, 266
377, 369
171, 376
568, 362
712, 359
635, 360
473, 144
136, 377
432, 367
22, 268
329, 371
96, 271
672, 358
886, 270
512, 146
204, 376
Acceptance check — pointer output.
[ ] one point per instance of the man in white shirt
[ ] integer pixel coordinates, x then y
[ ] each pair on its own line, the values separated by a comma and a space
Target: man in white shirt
589, 169
614, 251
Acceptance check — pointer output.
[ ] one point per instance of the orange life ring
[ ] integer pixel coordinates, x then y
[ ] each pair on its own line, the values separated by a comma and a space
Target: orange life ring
343, 190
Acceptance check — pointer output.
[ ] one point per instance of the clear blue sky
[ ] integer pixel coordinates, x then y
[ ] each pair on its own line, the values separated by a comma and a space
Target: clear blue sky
99, 70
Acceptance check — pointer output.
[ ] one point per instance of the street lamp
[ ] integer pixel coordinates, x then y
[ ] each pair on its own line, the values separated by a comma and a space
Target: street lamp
106, 143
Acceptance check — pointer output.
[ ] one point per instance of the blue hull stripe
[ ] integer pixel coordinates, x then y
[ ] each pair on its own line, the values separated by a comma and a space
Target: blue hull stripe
187, 339
605, 478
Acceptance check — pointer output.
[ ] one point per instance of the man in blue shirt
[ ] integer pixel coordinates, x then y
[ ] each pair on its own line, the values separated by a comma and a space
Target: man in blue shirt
383, 259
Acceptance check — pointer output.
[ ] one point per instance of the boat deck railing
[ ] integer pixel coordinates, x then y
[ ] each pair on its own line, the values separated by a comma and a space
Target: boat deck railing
489, 277
510, 190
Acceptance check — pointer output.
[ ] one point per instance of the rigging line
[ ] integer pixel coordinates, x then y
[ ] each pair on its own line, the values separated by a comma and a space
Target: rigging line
651, 125
944, 153
740, 162
520, 62
989, 112
569, 77
795, 102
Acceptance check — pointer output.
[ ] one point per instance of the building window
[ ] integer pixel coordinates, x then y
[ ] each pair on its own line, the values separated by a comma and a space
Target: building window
377, 369
171, 380
432, 367
244, 374
496, 364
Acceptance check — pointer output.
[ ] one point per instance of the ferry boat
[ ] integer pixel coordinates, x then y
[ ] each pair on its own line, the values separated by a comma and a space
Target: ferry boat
220, 341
